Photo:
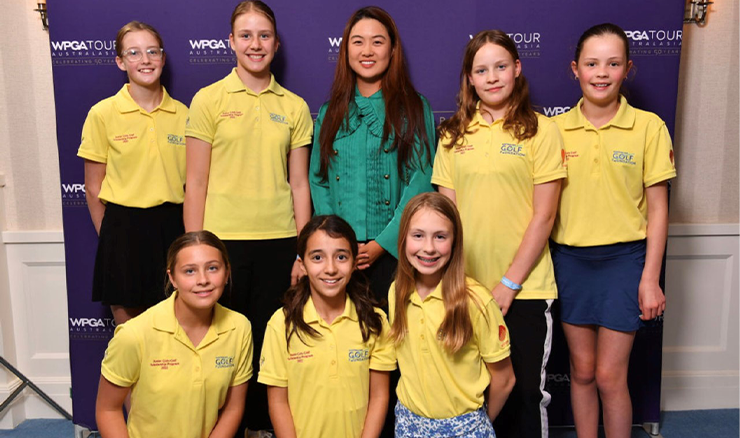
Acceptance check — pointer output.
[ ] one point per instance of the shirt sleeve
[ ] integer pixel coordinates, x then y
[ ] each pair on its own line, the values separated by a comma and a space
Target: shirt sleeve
94, 142
273, 361
244, 369
443, 174
549, 154
303, 128
383, 356
320, 193
491, 333
122, 361
659, 165
419, 182
201, 123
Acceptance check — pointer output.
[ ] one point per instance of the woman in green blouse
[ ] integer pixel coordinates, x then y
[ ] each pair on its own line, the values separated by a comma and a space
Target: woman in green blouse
372, 144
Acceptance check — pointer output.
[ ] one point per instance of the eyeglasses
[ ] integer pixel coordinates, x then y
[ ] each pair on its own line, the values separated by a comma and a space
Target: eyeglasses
136, 54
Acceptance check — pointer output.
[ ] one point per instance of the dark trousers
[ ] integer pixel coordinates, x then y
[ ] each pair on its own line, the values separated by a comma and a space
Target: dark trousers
260, 275
530, 329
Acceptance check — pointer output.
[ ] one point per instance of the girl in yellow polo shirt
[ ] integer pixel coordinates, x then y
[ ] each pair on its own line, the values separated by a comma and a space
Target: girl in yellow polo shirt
247, 175
134, 149
451, 340
327, 355
502, 164
611, 230
186, 361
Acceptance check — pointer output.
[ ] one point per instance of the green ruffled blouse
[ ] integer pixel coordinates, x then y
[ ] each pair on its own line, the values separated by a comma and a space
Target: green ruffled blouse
363, 185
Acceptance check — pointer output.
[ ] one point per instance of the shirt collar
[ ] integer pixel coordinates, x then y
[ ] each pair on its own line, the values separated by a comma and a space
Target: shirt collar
479, 120
436, 294
126, 104
625, 117
164, 317
310, 315
234, 85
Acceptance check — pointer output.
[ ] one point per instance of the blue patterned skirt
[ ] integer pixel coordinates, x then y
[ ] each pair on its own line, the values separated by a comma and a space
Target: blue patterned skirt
471, 425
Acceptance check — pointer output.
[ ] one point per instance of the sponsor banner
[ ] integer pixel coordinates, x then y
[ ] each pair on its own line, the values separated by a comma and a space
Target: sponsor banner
198, 53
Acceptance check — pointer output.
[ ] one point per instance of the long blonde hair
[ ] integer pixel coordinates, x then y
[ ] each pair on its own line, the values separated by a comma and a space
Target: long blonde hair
456, 328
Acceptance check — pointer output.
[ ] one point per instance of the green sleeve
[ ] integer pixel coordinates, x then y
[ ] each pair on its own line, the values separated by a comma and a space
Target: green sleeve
419, 182
320, 195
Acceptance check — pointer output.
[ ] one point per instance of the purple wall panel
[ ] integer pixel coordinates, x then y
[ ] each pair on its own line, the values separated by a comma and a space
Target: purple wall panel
434, 33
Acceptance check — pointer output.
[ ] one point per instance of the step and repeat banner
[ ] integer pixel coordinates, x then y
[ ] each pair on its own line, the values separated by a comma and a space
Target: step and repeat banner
434, 33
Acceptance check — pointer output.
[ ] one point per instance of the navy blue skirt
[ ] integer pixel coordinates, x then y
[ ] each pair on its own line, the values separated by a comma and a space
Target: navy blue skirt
598, 285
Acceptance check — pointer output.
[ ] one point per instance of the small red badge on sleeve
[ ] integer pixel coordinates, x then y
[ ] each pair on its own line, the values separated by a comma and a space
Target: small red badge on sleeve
502, 333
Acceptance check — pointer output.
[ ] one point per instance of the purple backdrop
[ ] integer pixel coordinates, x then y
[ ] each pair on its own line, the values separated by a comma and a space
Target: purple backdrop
434, 33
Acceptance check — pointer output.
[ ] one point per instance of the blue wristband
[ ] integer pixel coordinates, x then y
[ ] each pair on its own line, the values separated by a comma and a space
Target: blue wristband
510, 284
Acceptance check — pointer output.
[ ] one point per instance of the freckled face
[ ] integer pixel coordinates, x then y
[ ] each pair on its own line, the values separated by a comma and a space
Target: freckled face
601, 68
429, 243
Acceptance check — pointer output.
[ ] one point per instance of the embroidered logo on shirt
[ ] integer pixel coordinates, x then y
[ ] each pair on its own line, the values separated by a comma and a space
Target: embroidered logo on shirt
571, 154
461, 149
224, 361
176, 139
125, 138
623, 157
231, 114
278, 118
359, 355
300, 356
511, 149
164, 364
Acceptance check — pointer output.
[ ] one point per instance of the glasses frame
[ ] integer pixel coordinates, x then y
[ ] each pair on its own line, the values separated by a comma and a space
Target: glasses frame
153, 53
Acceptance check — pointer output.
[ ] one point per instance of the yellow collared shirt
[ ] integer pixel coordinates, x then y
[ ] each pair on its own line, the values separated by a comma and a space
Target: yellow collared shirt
143, 152
493, 176
177, 388
251, 135
435, 384
603, 202
327, 377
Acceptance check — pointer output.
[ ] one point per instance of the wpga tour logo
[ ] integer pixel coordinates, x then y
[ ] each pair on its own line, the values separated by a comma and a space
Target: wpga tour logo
334, 43
210, 51
73, 194
655, 42
83, 52
90, 327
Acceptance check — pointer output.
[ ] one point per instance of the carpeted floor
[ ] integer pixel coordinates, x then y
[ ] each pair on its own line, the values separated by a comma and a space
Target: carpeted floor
721, 423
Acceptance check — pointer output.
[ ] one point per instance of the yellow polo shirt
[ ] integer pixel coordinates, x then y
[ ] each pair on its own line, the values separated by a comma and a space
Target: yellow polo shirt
328, 378
143, 152
177, 388
604, 202
435, 384
251, 135
493, 176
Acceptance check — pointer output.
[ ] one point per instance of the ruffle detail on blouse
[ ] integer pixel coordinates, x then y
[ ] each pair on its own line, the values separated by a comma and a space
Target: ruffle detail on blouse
367, 110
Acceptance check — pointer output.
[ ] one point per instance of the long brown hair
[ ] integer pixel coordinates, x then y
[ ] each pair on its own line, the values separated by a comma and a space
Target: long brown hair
456, 328
193, 238
358, 288
404, 110
520, 119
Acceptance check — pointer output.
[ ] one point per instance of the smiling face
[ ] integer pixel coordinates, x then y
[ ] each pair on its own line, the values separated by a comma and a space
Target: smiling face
429, 244
493, 76
199, 277
369, 51
328, 264
146, 71
254, 41
601, 68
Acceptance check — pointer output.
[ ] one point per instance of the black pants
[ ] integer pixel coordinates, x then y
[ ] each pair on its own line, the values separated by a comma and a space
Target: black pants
260, 275
530, 329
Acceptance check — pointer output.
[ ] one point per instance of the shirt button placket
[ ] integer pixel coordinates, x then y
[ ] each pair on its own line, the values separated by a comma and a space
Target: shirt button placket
333, 355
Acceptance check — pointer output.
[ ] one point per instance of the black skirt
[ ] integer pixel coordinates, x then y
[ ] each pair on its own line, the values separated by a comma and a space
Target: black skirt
132, 251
